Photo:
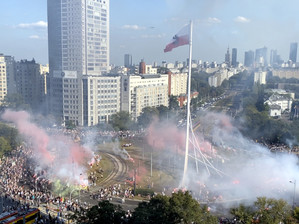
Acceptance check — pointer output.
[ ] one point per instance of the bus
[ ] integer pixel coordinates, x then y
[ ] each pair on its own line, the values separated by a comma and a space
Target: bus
27, 217
6, 215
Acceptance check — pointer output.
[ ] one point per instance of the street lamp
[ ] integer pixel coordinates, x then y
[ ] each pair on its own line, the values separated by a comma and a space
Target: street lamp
294, 196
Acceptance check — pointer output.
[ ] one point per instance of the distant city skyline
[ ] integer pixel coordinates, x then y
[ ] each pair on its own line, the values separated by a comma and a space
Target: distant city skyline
143, 29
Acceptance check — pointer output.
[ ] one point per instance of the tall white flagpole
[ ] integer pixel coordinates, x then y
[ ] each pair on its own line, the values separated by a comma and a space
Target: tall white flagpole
188, 108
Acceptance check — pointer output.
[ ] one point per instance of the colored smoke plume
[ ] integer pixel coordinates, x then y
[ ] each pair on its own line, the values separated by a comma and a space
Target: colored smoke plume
57, 153
230, 166
248, 169
165, 134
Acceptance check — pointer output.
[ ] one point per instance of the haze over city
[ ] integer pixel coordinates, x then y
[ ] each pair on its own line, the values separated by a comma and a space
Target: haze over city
142, 29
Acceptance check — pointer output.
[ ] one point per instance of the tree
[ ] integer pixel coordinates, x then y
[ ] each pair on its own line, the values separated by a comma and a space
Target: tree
15, 101
104, 212
184, 209
179, 208
242, 214
70, 125
121, 121
272, 211
173, 103
154, 211
296, 214
10, 134
147, 116
163, 112
266, 211
4, 146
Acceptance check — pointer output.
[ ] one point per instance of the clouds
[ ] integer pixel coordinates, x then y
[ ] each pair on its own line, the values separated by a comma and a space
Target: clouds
34, 37
39, 24
38, 27
241, 19
133, 27
154, 36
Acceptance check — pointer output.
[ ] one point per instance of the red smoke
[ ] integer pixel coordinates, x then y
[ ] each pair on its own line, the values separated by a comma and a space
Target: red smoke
58, 151
38, 136
165, 135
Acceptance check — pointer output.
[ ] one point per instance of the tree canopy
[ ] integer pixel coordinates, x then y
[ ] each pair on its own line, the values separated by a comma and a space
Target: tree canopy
9, 139
179, 208
121, 121
266, 211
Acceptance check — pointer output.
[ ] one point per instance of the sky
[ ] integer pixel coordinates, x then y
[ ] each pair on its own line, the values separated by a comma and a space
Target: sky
143, 28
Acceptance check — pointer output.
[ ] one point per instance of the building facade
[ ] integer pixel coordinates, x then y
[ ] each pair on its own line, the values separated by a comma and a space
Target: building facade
249, 58
31, 84
227, 58
293, 52
261, 57
287, 73
260, 77
140, 91
234, 57
78, 39
128, 60
101, 98
177, 84
3, 79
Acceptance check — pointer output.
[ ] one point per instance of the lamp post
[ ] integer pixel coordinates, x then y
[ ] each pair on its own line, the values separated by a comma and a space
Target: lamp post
294, 195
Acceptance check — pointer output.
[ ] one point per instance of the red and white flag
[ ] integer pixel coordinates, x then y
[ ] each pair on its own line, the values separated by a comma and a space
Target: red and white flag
180, 39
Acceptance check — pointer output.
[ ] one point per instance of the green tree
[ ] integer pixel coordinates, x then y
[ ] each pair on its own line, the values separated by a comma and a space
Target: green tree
15, 101
243, 214
147, 116
173, 103
10, 134
272, 211
163, 112
70, 125
154, 211
121, 121
104, 212
4, 146
179, 208
266, 211
185, 209
296, 214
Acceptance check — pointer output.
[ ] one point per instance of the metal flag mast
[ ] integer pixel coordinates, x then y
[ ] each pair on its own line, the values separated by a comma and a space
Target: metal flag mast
188, 108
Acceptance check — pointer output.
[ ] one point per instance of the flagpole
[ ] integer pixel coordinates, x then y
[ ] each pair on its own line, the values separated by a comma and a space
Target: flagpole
188, 108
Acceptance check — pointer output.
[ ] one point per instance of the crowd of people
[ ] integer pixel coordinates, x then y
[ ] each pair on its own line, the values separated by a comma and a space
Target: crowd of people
281, 148
116, 190
25, 186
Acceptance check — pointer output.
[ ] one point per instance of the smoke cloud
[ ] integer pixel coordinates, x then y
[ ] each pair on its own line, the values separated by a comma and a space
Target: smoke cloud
226, 166
58, 154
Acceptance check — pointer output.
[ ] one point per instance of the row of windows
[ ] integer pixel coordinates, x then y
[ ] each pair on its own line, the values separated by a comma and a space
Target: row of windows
71, 112
71, 101
70, 96
70, 107
70, 91
70, 86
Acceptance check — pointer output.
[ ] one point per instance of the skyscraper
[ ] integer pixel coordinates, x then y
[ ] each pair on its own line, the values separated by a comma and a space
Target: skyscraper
293, 52
128, 60
227, 57
261, 56
234, 57
78, 38
249, 58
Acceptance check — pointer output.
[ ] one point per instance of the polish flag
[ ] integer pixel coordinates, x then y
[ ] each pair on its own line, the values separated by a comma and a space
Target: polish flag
180, 39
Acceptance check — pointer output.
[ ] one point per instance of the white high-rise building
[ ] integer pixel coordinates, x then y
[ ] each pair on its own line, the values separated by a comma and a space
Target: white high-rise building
140, 91
78, 38
3, 79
